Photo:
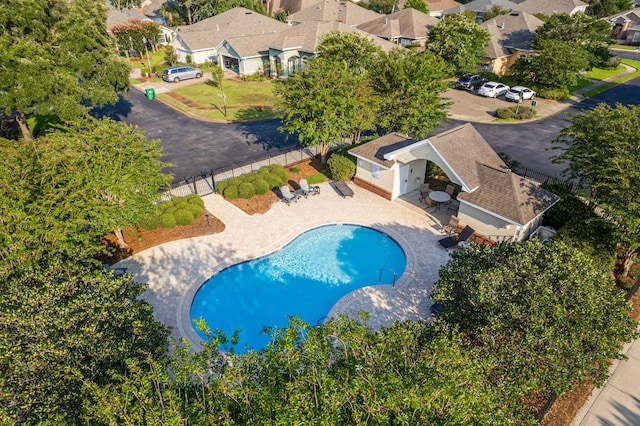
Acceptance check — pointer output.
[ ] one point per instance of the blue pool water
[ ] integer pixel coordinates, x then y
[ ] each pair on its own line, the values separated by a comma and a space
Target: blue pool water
305, 278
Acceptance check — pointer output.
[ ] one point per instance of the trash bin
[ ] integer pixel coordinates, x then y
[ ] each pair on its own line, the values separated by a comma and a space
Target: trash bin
150, 93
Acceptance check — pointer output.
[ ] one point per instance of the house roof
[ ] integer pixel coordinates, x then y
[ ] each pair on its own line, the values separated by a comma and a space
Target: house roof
516, 30
630, 15
549, 7
407, 23
236, 22
480, 6
115, 16
251, 45
335, 10
306, 36
291, 6
440, 5
375, 150
508, 195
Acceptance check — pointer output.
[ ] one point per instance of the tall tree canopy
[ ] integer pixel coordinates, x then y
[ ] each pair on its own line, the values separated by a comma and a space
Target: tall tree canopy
546, 315
602, 147
46, 67
71, 186
460, 41
203, 9
419, 5
602, 8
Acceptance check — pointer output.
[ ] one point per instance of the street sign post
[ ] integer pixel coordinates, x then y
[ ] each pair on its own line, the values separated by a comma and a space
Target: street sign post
224, 101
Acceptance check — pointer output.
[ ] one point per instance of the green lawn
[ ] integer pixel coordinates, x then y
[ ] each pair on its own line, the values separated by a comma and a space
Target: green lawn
629, 62
602, 74
624, 47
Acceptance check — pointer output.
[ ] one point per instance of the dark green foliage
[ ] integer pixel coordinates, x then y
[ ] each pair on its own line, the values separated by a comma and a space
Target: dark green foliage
594, 237
341, 168
231, 192
245, 190
183, 217
567, 208
167, 220
316, 178
613, 62
523, 113
261, 186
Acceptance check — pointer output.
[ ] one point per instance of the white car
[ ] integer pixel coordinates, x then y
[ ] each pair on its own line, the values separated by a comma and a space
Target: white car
493, 89
514, 93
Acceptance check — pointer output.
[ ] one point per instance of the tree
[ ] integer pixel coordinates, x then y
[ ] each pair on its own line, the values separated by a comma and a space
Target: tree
495, 10
419, 5
384, 7
66, 324
323, 102
410, 86
203, 9
352, 50
460, 41
543, 312
73, 185
603, 8
601, 147
580, 30
45, 67
138, 34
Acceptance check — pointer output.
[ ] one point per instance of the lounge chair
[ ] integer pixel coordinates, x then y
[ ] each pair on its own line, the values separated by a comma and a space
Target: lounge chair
343, 189
306, 189
287, 196
454, 240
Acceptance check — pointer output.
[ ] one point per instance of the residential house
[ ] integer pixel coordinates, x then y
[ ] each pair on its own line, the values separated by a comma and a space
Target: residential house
512, 37
481, 6
334, 10
626, 26
549, 7
406, 27
497, 203
122, 16
289, 6
437, 7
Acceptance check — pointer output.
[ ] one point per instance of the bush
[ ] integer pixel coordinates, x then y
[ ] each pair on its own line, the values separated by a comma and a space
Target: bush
555, 94
150, 223
195, 199
195, 210
316, 178
220, 187
505, 113
341, 168
613, 62
183, 217
260, 186
295, 170
245, 190
167, 220
278, 170
179, 201
231, 192
593, 236
253, 77
163, 206
274, 180
250, 177
524, 113
171, 209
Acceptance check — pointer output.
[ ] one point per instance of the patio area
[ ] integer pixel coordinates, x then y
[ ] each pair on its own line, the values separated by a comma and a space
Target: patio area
174, 271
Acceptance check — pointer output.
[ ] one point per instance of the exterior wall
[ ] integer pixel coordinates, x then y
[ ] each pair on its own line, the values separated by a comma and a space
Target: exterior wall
383, 179
285, 58
417, 169
487, 224
501, 65
251, 65
210, 55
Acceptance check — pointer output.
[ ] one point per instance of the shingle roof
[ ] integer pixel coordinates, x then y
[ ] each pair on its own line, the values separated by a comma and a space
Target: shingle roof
480, 6
440, 5
115, 16
549, 7
508, 195
462, 147
375, 150
291, 6
629, 15
236, 22
335, 10
306, 36
407, 23
515, 30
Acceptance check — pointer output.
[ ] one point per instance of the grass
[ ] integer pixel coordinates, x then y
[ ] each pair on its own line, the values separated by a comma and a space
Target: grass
629, 62
603, 74
624, 47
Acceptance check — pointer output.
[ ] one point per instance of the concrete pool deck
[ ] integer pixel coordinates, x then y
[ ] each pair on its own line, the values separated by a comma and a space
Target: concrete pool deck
174, 271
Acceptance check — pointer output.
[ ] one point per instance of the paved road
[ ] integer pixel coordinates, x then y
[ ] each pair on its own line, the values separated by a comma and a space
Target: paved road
196, 146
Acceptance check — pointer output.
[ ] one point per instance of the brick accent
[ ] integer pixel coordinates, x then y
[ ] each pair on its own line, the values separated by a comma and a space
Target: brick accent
369, 187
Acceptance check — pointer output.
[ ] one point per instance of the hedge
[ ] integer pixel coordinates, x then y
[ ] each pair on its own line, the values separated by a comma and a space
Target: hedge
258, 182
341, 168
178, 211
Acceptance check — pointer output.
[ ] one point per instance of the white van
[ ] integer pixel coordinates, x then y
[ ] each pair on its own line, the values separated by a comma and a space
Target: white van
180, 72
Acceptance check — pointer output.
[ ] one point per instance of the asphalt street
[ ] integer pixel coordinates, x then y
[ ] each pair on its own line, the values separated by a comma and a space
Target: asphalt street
196, 146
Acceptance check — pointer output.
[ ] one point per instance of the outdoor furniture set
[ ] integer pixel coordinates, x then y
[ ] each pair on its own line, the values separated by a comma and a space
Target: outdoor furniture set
292, 197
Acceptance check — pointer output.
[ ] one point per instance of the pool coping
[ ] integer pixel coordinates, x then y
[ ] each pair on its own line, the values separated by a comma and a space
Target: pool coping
186, 330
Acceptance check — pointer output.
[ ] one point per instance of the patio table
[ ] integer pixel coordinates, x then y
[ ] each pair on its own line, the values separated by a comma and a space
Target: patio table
439, 197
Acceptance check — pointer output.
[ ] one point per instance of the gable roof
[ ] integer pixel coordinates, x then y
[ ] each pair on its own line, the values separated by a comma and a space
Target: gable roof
335, 10
115, 16
375, 150
290, 6
480, 6
630, 15
407, 23
549, 7
236, 22
440, 5
508, 195
516, 30
306, 36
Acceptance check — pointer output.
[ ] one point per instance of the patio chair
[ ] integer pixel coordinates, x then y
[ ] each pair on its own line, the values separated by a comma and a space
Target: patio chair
454, 240
449, 190
287, 196
453, 207
424, 191
430, 204
343, 189
306, 189
452, 226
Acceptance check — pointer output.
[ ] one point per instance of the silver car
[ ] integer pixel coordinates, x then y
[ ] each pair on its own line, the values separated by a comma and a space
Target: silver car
518, 93
180, 72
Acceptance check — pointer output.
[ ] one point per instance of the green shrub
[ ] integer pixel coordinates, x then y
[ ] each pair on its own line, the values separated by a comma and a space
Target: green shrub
235, 181
253, 77
245, 190
167, 220
341, 168
505, 113
150, 223
250, 177
263, 171
613, 62
274, 180
231, 192
195, 199
316, 178
523, 113
260, 186
161, 207
555, 94
279, 171
183, 217
179, 201
221, 186
195, 209
295, 170
171, 210
595, 237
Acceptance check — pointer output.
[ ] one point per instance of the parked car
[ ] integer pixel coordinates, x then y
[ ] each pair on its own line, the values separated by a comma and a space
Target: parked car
516, 91
493, 89
470, 82
180, 72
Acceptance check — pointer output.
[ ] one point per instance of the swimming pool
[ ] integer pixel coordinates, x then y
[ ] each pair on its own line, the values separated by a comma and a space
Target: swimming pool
305, 278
